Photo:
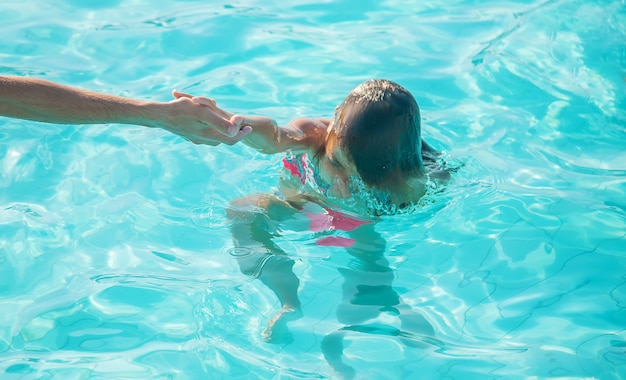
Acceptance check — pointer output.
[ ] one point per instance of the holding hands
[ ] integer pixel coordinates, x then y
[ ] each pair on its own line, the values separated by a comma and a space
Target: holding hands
199, 120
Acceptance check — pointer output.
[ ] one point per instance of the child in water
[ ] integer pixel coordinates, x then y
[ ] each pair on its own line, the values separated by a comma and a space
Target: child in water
372, 144
372, 149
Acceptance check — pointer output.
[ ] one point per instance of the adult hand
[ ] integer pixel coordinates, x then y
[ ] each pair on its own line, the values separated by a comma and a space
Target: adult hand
208, 102
202, 123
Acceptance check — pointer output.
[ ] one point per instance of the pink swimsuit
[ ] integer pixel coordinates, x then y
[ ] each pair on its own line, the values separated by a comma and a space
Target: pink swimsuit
330, 220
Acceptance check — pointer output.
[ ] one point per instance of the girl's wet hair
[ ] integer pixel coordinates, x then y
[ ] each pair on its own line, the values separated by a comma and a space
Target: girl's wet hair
378, 127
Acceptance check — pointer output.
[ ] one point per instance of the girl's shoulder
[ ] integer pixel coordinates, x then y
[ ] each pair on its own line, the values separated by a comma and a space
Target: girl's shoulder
313, 132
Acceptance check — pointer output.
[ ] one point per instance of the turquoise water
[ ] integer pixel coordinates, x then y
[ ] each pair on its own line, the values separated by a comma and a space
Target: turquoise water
115, 250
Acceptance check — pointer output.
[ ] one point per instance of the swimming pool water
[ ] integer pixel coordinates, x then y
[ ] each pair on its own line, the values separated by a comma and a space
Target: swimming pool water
115, 250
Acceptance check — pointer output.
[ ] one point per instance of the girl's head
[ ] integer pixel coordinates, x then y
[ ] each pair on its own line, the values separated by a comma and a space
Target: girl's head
377, 129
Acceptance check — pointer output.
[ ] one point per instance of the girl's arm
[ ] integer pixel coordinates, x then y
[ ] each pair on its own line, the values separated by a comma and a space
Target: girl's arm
299, 135
305, 135
41, 100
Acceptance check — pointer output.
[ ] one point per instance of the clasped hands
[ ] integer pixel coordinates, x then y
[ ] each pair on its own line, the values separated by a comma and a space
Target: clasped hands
199, 120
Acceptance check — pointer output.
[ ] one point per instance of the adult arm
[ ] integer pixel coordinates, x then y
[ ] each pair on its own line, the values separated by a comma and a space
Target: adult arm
41, 100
